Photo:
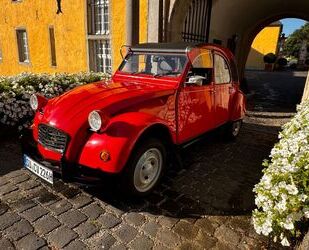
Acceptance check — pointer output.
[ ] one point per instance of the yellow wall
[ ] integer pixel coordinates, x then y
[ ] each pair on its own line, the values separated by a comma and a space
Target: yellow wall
118, 27
265, 42
36, 16
70, 34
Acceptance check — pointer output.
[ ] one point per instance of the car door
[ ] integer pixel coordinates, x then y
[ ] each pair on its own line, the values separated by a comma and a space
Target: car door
223, 89
195, 101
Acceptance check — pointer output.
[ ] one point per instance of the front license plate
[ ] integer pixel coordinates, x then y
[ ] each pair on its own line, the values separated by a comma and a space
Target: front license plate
41, 171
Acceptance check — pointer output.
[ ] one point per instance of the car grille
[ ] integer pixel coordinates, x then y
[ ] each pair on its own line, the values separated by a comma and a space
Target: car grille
52, 138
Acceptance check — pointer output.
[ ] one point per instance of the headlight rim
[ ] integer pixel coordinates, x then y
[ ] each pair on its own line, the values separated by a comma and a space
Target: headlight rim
31, 102
99, 115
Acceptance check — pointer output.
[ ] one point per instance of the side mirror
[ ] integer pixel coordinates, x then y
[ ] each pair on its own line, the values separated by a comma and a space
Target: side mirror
196, 80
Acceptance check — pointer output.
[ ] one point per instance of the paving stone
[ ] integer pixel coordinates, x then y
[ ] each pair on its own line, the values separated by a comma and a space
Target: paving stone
3, 208
22, 205
45, 197
125, 233
62, 237
227, 235
159, 246
29, 184
60, 207
93, 211
190, 246
135, 218
186, 229
3, 181
141, 242
76, 245
242, 224
34, 213
108, 220
14, 174
70, 192
72, 218
8, 188
105, 241
167, 237
119, 246
205, 240
206, 225
6, 244
155, 198
8, 219
12, 197
20, 178
151, 228
30, 242
46, 224
18, 230
170, 206
167, 221
81, 200
86, 230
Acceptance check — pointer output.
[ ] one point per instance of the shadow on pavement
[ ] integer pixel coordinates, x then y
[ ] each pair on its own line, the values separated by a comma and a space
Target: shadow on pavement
217, 179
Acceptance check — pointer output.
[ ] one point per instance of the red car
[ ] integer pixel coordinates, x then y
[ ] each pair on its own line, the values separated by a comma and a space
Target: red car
162, 97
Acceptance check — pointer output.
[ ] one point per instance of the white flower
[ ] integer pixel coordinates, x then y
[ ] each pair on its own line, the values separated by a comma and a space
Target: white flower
285, 242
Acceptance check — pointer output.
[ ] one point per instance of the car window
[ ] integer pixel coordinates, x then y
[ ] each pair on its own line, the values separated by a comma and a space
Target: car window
154, 64
202, 66
222, 72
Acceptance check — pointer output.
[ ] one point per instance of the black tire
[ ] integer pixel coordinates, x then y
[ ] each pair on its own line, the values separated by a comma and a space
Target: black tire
128, 184
232, 130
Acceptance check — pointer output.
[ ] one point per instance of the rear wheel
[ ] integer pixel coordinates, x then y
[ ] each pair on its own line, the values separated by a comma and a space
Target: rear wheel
145, 167
233, 129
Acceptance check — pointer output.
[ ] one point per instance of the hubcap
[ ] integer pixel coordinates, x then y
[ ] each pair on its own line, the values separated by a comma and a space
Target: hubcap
236, 128
148, 169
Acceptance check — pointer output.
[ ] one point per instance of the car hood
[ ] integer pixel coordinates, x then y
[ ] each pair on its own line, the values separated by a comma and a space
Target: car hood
71, 109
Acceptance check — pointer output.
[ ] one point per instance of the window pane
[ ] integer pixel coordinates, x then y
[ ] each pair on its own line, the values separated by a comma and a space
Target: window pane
222, 73
22, 43
52, 46
98, 20
100, 56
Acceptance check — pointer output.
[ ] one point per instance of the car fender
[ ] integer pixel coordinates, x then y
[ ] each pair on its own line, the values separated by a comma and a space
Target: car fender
238, 106
118, 139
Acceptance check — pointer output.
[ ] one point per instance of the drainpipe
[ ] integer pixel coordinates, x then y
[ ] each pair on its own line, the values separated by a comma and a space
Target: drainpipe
132, 22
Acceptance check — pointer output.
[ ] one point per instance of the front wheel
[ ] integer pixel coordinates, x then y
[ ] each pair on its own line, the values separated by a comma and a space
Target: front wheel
144, 168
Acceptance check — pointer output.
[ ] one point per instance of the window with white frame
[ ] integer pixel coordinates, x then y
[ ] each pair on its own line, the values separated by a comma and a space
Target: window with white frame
100, 55
98, 36
22, 44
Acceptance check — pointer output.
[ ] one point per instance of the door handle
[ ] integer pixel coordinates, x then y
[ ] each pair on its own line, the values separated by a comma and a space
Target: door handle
231, 90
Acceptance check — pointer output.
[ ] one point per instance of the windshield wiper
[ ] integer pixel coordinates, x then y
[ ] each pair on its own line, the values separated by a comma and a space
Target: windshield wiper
167, 73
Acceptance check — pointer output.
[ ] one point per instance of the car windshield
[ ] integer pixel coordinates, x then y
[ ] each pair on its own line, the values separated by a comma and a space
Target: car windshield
157, 65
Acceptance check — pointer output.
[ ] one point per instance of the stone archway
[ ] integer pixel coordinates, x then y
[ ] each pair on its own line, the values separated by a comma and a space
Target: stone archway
240, 19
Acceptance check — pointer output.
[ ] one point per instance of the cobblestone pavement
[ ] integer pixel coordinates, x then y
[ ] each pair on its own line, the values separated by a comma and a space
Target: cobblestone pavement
205, 205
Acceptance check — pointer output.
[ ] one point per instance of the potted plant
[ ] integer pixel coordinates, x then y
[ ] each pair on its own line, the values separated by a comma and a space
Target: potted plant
281, 63
269, 60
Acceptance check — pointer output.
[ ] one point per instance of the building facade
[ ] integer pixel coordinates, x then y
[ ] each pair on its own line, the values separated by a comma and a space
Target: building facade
267, 41
85, 35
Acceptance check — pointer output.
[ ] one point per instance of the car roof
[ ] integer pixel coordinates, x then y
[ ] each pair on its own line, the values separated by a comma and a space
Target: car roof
176, 47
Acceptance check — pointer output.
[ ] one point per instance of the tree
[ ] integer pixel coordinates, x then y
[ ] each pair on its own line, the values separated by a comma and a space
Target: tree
296, 41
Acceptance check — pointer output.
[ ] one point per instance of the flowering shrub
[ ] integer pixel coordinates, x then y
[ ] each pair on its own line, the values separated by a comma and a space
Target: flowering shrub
15, 92
282, 194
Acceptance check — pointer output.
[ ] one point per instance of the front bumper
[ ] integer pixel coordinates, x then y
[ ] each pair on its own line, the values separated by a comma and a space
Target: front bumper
68, 172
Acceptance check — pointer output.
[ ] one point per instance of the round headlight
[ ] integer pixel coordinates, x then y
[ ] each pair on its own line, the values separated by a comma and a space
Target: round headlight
34, 103
95, 120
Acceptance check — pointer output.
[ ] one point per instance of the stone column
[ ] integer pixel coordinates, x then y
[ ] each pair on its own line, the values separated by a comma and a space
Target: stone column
155, 20
132, 22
